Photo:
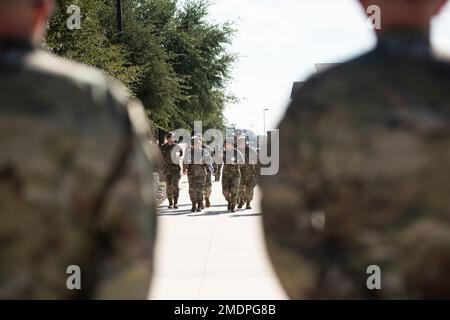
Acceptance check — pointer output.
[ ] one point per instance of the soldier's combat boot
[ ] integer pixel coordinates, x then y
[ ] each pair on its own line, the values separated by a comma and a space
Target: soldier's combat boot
175, 203
194, 207
170, 203
248, 207
241, 203
229, 207
207, 203
233, 208
199, 206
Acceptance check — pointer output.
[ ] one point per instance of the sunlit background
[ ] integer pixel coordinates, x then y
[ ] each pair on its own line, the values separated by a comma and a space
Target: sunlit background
280, 41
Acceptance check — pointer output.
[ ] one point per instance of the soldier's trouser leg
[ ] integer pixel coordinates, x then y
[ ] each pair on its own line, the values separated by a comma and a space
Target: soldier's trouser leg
226, 187
192, 193
234, 189
199, 190
249, 185
208, 184
196, 188
201, 182
169, 185
218, 171
241, 189
176, 176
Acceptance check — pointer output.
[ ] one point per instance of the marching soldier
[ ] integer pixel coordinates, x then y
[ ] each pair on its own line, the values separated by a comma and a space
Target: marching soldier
218, 172
231, 175
365, 186
76, 191
209, 172
195, 164
172, 170
218, 164
248, 173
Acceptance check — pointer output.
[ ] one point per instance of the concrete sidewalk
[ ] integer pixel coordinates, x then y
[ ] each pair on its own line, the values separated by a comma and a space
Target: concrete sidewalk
213, 254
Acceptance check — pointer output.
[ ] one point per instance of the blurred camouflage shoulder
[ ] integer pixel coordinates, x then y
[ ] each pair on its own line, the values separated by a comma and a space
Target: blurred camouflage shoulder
75, 166
363, 149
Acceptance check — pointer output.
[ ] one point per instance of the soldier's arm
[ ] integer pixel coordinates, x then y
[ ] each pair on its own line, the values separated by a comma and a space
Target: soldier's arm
206, 158
127, 226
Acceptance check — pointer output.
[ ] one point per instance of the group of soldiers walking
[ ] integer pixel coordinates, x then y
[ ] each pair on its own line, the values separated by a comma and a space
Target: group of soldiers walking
236, 161
365, 184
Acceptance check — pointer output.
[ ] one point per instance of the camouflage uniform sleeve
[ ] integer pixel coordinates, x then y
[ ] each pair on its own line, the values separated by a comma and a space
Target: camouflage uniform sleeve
286, 222
127, 224
207, 160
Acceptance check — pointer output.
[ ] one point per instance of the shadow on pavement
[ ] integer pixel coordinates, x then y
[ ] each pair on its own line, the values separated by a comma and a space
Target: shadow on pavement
218, 206
246, 215
208, 214
173, 213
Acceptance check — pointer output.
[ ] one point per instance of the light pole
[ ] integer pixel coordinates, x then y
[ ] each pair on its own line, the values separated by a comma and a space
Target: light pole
119, 20
264, 120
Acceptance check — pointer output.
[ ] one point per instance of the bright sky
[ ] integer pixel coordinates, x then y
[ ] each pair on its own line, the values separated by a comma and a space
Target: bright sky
280, 41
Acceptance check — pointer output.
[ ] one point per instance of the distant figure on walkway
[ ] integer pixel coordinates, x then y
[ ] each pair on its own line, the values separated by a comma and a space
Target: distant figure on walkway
209, 171
361, 206
172, 171
195, 164
217, 163
248, 173
231, 176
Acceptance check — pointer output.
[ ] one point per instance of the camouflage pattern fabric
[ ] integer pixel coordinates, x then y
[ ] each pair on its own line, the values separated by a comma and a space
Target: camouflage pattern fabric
218, 172
248, 174
195, 162
75, 181
218, 152
172, 171
231, 175
365, 161
173, 184
208, 183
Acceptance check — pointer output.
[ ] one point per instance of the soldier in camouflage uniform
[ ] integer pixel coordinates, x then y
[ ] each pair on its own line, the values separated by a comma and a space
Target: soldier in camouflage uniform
172, 171
195, 164
209, 172
366, 183
218, 163
75, 172
248, 173
231, 175
218, 172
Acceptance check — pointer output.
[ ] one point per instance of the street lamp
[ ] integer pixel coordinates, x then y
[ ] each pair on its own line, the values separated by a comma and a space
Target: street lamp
264, 120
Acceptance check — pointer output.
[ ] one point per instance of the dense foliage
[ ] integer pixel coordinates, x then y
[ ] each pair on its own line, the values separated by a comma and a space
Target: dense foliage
170, 55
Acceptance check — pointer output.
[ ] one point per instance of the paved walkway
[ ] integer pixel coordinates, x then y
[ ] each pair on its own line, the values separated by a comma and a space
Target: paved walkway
212, 255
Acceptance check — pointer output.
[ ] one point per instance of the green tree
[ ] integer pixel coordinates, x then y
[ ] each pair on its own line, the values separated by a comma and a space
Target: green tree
171, 56
90, 44
199, 48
